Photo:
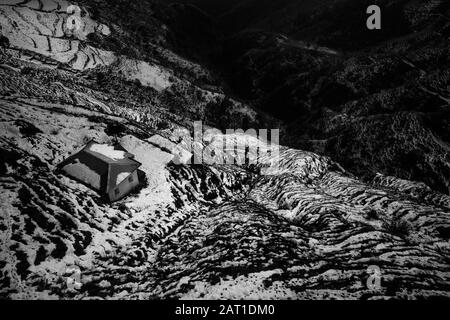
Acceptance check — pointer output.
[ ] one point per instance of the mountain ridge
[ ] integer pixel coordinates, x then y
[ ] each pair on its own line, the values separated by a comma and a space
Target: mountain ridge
306, 228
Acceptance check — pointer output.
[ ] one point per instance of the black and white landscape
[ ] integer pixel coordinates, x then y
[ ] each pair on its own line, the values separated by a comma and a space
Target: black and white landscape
95, 93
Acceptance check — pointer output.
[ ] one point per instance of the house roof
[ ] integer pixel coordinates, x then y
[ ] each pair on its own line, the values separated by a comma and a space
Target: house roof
101, 166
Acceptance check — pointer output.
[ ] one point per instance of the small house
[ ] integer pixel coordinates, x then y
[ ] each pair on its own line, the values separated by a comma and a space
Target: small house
110, 170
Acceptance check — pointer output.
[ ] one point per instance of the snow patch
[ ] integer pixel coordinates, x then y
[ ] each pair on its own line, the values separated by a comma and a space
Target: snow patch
122, 176
147, 74
108, 151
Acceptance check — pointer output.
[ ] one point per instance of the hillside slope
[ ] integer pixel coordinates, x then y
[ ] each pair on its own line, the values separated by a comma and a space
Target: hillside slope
306, 229
376, 101
296, 226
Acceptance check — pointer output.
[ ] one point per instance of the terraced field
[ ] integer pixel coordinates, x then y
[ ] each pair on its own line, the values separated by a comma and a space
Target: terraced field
295, 226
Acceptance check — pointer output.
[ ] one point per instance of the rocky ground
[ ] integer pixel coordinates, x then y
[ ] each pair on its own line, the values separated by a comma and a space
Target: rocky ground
305, 229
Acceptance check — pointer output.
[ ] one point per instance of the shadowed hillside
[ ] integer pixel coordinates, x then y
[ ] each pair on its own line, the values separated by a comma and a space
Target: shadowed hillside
359, 181
377, 101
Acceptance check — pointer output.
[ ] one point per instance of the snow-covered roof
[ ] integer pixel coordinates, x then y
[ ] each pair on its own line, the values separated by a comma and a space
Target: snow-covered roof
101, 166
108, 151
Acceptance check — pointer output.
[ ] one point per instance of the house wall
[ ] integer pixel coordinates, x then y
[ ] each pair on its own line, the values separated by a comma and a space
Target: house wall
125, 187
